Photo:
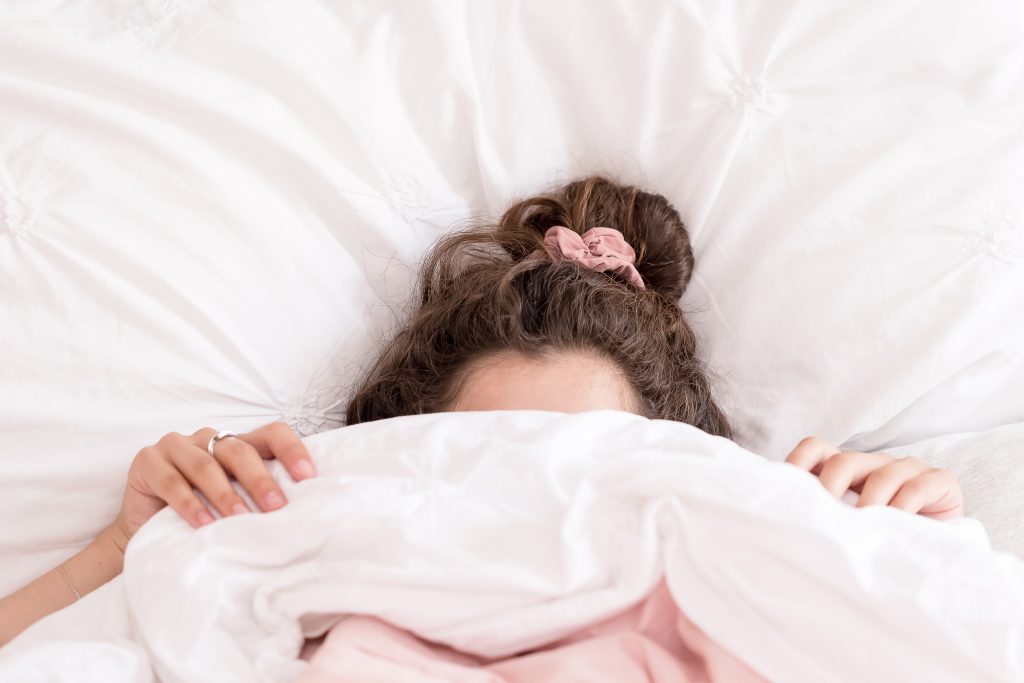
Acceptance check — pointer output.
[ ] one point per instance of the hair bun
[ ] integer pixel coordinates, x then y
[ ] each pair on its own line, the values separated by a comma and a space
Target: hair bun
647, 221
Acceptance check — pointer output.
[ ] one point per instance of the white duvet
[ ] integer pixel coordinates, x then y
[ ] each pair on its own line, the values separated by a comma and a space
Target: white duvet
497, 532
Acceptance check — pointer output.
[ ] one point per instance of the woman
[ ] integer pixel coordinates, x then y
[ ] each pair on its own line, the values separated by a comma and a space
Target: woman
569, 303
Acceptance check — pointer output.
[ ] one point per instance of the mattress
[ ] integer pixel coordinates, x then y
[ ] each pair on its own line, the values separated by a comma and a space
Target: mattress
212, 211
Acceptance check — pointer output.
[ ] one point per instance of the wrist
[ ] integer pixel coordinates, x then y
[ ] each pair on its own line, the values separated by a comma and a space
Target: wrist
111, 544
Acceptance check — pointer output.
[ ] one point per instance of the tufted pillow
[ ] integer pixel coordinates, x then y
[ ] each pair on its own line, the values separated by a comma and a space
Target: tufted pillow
211, 211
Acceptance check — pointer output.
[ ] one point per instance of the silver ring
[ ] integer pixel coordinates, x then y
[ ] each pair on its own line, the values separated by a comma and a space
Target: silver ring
217, 437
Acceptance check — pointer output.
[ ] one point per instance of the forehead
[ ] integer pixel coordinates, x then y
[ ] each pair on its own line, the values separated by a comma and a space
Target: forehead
568, 382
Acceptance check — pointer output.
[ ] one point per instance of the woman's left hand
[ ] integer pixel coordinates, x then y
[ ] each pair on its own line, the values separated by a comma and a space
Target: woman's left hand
908, 483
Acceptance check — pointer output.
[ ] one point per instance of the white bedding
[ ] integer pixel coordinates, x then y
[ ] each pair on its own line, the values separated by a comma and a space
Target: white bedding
498, 532
211, 210
990, 468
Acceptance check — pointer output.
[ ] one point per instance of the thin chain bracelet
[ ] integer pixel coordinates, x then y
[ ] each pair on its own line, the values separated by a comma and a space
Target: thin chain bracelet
64, 573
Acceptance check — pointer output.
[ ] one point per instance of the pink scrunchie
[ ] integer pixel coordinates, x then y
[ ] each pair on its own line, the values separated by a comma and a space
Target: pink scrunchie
599, 249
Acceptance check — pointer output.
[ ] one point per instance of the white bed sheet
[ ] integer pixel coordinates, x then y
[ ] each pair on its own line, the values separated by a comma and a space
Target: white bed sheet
211, 210
990, 468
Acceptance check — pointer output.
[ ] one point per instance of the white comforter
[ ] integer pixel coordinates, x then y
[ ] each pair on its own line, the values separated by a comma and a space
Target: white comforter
496, 532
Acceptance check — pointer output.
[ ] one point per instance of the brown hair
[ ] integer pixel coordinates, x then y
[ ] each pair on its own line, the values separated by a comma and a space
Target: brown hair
494, 288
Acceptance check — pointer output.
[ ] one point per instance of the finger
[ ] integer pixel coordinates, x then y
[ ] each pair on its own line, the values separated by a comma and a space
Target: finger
170, 485
245, 464
935, 493
882, 484
207, 475
278, 440
810, 453
844, 470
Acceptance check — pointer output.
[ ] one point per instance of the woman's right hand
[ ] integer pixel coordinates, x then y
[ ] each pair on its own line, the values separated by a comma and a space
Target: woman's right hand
167, 473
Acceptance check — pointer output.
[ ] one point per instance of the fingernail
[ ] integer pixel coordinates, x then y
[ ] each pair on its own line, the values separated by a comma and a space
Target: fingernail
239, 509
304, 469
273, 500
204, 518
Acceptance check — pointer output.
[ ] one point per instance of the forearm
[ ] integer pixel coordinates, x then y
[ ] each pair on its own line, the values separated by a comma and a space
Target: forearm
96, 564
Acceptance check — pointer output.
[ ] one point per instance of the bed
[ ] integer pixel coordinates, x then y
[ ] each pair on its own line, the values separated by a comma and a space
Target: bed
211, 211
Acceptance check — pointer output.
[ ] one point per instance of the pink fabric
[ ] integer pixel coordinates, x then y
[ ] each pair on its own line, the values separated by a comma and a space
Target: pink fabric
654, 641
598, 249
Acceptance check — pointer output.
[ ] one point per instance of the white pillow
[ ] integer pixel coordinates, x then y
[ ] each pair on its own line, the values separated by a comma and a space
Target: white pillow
210, 213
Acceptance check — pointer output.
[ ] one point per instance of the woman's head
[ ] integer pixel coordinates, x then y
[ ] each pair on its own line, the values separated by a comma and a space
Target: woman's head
501, 320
